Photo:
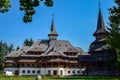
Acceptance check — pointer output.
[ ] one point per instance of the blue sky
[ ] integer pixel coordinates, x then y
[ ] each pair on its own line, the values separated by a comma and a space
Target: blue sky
75, 20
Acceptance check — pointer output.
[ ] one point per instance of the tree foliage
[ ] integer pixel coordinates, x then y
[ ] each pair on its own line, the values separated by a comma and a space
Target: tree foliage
17, 48
113, 37
4, 50
28, 42
4, 5
27, 6
115, 13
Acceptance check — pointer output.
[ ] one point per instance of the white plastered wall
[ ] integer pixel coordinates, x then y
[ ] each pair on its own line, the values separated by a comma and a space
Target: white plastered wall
44, 71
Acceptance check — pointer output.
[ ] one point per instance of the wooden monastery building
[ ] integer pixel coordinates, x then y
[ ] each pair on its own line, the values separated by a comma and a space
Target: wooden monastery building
60, 57
45, 57
98, 62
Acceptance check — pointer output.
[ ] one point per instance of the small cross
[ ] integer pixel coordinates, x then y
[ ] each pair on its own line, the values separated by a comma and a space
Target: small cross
99, 4
53, 16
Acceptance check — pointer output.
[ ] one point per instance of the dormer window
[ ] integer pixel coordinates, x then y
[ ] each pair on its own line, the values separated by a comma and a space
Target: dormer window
59, 44
36, 48
66, 45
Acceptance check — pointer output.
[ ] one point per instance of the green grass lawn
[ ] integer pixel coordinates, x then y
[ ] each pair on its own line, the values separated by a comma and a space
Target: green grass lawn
0, 72
59, 78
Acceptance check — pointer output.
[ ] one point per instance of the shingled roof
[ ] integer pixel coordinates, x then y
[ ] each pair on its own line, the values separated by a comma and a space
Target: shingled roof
56, 47
19, 52
100, 25
50, 47
99, 45
94, 58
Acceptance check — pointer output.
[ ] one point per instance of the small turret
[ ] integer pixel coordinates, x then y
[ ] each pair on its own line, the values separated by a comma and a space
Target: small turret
53, 34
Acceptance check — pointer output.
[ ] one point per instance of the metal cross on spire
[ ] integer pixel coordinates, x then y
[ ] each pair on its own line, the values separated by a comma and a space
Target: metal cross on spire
53, 16
99, 4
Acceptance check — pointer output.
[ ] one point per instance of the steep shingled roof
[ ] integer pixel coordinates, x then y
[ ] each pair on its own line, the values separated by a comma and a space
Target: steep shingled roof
50, 47
100, 24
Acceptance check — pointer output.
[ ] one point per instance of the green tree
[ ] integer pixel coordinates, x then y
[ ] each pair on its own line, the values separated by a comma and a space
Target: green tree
113, 37
1, 55
4, 50
28, 6
31, 42
17, 48
28, 42
10, 48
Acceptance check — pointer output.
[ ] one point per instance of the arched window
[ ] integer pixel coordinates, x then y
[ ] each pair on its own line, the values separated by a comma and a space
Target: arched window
61, 72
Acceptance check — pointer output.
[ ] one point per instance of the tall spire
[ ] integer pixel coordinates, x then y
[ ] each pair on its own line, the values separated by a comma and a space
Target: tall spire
99, 45
100, 23
53, 34
52, 25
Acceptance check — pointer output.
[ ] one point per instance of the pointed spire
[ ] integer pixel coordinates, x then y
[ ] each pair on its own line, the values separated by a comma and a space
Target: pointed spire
53, 34
52, 25
100, 23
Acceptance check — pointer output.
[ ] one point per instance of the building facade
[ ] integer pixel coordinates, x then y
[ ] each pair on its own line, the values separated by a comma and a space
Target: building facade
61, 58
45, 57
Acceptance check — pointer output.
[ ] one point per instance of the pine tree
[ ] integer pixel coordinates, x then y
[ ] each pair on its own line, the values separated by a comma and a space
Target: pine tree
113, 37
1, 55
10, 48
17, 48
4, 50
28, 42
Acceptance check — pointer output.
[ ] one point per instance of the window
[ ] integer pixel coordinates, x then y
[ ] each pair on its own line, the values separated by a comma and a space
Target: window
32, 65
23, 71
61, 72
66, 45
36, 48
33, 71
28, 65
73, 71
82, 65
59, 44
49, 72
68, 72
38, 65
38, 71
23, 64
78, 71
28, 71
